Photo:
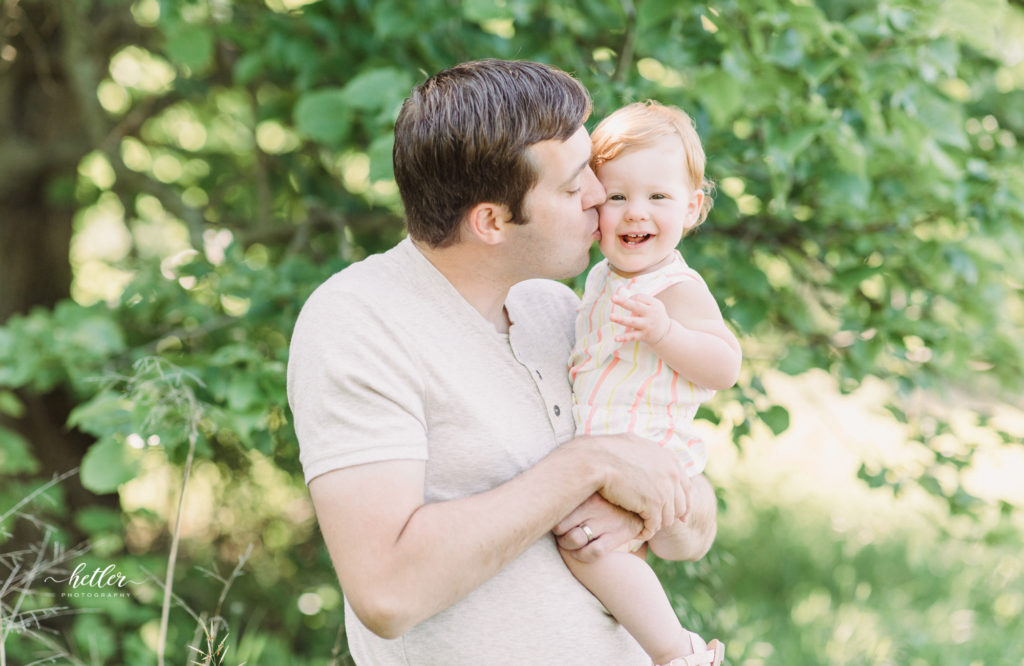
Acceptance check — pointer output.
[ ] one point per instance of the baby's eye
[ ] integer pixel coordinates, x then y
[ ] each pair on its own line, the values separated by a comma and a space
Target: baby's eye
616, 197
658, 195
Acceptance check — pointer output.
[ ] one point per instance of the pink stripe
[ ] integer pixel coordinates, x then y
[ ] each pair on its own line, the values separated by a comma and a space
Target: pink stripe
593, 394
639, 396
668, 409
573, 371
586, 348
590, 315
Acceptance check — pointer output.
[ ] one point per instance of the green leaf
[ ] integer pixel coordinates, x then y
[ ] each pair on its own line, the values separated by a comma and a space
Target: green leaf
932, 485
99, 335
722, 95
819, 69
107, 413
709, 415
797, 360
795, 142
107, 464
324, 115
242, 392
652, 13
943, 118
248, 67
776, 417
752, 279
852, 188
99, 520
748, 313
787, 49
381, 162
19, 358
377, 89
872, 479
941, 160
15, 453
479, 11
10, 404
190, 45
94, 636
389, 24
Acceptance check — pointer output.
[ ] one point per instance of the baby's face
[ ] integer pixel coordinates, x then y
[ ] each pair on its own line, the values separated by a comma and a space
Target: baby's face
649, 206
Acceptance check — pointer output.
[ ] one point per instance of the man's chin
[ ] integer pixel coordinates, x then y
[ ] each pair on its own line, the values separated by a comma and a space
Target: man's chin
583, 265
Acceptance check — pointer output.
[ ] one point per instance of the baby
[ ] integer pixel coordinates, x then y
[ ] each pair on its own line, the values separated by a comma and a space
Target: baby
651, 344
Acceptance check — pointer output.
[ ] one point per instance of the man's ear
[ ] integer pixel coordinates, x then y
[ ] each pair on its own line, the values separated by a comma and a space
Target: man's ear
486, 221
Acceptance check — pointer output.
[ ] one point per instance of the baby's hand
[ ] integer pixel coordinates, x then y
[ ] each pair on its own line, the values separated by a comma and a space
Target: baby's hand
649, 322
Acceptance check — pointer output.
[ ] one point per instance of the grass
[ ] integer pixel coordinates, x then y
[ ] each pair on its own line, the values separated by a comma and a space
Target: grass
812, 568
801, 583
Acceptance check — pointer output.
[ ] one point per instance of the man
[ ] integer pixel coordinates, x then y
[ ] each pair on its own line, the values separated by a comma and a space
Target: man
431, 400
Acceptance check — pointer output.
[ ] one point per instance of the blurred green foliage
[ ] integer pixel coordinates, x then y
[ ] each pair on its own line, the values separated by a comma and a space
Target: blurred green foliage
868, 222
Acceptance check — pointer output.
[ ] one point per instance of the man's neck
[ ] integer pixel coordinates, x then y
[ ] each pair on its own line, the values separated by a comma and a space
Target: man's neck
475, 276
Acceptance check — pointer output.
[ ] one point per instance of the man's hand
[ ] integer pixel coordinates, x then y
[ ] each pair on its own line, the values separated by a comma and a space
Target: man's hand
690, 540
609, 527
641, 477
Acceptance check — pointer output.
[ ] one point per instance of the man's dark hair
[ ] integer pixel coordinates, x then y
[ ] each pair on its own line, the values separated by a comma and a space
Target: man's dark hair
461, 139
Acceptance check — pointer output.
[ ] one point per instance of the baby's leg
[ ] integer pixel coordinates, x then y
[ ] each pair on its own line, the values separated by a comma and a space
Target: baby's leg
631, 592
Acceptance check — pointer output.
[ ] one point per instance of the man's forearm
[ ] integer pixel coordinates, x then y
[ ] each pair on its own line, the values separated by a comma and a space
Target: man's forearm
400, 561
399, 566
691, 539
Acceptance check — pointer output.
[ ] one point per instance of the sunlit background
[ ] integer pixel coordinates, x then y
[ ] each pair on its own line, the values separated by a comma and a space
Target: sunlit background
865, 243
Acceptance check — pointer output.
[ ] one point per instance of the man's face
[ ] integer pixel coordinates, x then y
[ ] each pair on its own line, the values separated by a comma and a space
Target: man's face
560, 210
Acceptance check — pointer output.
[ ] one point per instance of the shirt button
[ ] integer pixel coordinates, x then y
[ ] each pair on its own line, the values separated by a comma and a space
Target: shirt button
558, 411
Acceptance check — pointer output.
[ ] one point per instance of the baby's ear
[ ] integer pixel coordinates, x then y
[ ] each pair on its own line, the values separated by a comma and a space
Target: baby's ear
486, 221
693, 209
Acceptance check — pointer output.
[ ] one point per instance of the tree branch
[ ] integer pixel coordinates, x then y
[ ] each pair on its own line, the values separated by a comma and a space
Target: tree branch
82, 73
22, 161
626, 54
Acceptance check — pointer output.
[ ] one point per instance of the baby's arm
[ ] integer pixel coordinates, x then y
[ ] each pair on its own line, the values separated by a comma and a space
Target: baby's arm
684, 327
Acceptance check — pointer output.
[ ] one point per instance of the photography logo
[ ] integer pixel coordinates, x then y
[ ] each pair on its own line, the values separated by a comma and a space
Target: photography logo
100, 582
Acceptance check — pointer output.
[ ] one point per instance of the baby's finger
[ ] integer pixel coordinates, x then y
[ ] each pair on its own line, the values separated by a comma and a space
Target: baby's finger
632, 304
630, 322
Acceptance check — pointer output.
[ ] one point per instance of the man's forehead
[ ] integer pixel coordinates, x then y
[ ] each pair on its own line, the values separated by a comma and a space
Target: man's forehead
560, 159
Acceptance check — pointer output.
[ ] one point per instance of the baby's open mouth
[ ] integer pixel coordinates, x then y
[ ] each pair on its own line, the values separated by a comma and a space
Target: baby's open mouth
634, 239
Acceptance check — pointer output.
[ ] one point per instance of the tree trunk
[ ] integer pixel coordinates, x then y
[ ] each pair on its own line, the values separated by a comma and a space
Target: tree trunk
42, 140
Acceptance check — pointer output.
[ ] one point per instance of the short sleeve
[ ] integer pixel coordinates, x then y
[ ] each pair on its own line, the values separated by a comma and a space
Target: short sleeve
353, 388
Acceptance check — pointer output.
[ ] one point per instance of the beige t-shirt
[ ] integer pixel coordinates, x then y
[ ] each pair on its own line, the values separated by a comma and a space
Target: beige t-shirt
389, 362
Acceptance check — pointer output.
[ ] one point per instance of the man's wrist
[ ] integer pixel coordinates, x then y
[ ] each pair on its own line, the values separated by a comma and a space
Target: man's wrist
587, 462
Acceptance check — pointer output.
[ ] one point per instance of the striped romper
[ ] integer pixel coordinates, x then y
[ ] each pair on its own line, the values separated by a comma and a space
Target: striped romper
624, 386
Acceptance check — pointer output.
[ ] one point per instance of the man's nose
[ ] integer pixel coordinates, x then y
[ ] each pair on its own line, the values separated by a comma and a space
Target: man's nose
593, 191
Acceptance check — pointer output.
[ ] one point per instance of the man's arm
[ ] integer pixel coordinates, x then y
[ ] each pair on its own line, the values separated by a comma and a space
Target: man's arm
400, 560
612, 526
